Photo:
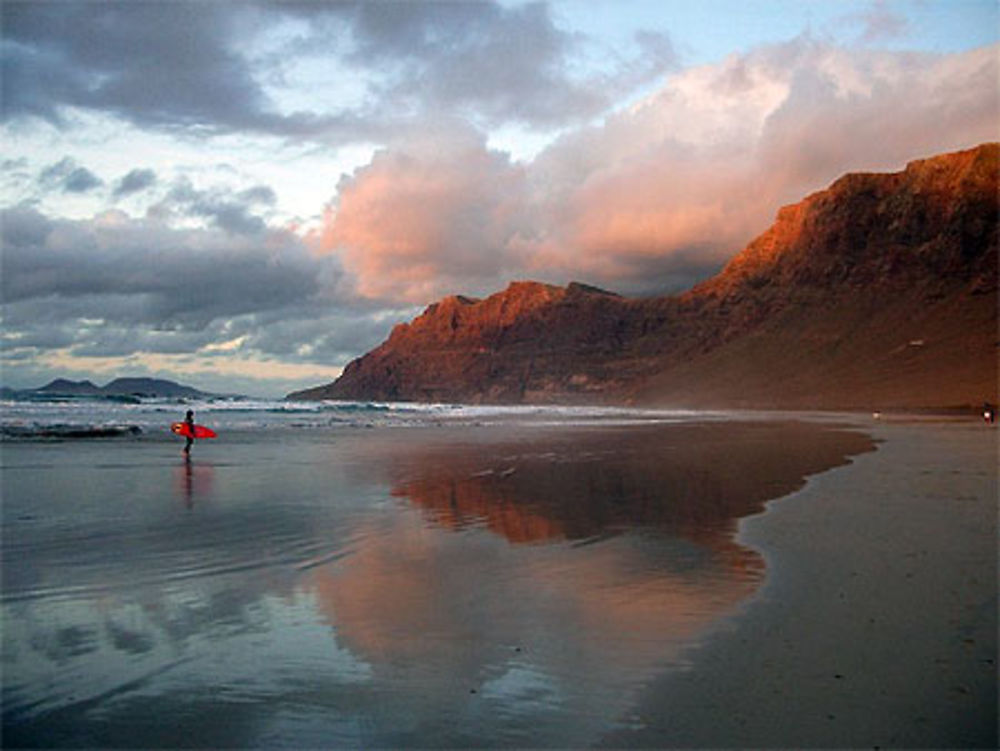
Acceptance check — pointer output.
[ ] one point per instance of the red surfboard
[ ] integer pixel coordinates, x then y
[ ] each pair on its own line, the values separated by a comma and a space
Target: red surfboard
200, 431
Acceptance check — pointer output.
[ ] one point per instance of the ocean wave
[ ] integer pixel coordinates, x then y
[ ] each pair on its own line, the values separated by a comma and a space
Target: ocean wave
24, 420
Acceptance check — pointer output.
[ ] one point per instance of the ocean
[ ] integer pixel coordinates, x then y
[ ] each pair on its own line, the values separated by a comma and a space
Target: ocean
378, 575
71, 417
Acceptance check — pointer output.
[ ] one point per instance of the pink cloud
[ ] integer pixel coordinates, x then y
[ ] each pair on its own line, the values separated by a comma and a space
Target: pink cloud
665, 190
413, 221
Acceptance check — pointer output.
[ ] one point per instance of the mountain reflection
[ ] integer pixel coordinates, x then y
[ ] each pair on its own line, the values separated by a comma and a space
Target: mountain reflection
550, 643
510, 585
470, 638
691, 481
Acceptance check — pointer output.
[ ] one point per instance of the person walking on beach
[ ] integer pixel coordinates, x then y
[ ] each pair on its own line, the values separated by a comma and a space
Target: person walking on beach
189, 421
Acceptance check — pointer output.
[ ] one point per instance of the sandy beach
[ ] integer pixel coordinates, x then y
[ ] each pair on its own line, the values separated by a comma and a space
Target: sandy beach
877, 623
505, 585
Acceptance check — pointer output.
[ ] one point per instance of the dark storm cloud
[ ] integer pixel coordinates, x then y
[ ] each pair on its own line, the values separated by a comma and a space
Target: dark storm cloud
98, 326
109, 325
134, 182
113, 287
170, 278
192, 64
158, 63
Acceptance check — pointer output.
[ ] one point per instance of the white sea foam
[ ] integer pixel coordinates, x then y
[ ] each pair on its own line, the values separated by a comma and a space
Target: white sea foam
21, 419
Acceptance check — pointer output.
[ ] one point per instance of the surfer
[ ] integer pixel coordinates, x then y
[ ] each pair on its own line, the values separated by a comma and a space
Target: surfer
189, 421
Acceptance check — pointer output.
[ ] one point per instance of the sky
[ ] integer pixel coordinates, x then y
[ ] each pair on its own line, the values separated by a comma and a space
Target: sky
245, 196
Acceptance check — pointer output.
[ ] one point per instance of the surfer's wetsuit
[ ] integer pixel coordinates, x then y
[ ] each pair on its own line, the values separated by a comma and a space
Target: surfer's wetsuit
189, 421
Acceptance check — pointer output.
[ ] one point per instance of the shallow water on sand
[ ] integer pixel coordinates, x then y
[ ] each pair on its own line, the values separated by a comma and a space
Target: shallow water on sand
463, 586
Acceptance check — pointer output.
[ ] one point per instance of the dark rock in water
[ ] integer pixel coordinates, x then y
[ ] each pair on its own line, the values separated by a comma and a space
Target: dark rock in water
821, 311
123, 399
28, 432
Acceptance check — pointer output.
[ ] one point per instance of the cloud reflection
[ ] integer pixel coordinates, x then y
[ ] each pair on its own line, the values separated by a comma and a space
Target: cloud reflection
511, 585
631, 558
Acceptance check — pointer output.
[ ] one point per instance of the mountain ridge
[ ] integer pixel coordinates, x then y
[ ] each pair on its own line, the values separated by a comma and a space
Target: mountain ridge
119, 387
878, 291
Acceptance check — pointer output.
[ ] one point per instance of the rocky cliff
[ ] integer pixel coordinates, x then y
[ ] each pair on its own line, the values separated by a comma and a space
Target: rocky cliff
880, 291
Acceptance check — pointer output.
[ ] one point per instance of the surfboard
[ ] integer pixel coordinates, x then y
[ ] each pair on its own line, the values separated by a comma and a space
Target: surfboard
200, 431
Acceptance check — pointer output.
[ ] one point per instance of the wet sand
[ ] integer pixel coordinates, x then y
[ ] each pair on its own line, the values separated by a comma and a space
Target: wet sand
503, 585
877, 623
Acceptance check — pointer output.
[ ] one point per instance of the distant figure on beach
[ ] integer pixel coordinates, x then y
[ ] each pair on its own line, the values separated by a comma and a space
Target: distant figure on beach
189, 420
989, 413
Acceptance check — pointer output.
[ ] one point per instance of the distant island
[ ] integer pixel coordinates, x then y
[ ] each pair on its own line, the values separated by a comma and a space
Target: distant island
119, 388
878, 292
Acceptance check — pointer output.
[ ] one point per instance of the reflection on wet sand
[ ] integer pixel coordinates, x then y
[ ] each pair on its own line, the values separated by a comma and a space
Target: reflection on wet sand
548, 644
498, 586
193, 480
692, 481
556, 639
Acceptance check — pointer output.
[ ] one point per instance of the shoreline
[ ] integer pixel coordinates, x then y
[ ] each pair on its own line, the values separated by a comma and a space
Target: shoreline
880, 631
731, 625
496, 584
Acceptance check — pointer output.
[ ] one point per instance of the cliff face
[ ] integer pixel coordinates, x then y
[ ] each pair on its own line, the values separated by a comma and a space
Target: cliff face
531, 342
879, 291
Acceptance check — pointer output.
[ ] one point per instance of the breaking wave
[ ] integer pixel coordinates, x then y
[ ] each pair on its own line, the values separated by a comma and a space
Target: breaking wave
151, 418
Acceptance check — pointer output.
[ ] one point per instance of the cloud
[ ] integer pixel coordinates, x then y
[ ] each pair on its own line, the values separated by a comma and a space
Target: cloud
135, 181
171, 278
434, 215
67, 176
878, 23
216, 67
55, 173
646, 198
120, 288
231, 211
81, 180
497, 64
660, 194
503, 64
150, 63
259, 194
